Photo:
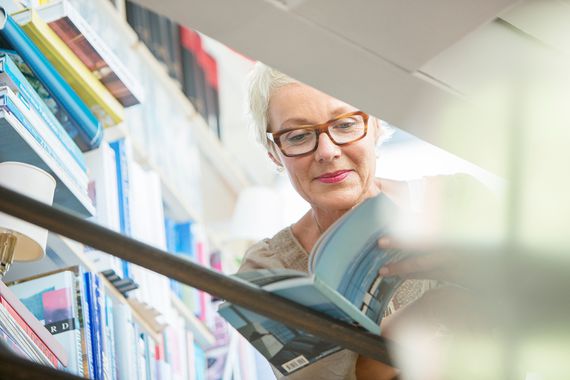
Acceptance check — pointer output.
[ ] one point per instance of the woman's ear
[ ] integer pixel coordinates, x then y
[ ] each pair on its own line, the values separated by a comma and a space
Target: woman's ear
275, 160
377, 129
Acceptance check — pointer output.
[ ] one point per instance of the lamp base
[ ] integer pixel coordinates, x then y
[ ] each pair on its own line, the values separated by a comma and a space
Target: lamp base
7, 249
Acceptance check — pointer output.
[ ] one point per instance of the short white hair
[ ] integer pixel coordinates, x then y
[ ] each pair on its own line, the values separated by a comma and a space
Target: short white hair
263, 81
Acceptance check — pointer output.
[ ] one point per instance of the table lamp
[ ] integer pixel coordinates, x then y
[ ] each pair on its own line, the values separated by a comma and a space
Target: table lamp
19, 240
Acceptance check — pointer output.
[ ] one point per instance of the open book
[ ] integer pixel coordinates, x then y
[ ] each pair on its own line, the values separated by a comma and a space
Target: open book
343, 282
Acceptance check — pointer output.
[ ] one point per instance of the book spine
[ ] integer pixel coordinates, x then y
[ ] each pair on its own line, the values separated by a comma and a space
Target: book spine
100, 305
26, 115
88, 126
130, 92
82, 301
107, 109
73, 176
110, 329
29, 332
21, 338
95, 326
125, 339
22, 87
11, 343
72, 285
123, 188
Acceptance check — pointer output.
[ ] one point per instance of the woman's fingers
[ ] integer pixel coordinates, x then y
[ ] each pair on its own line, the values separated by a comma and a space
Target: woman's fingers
431, 264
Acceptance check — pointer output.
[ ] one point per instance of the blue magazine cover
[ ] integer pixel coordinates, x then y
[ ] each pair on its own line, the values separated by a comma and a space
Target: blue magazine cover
343, 282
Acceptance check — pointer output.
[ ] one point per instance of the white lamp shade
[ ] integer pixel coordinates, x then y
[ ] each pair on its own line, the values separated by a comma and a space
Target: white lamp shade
34, 183
257, 214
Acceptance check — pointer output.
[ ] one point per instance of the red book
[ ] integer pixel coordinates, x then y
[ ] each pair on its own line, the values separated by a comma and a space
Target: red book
51, 348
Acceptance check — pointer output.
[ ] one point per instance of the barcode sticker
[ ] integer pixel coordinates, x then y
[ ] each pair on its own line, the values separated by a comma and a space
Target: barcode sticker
298, 362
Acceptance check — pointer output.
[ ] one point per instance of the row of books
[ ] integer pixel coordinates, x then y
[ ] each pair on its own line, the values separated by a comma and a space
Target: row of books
98, 334
180, 50
129, 200
163, 119
57, 43
58, 85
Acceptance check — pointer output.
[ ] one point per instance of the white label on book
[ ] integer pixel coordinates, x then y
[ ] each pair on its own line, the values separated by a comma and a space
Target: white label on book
298, 362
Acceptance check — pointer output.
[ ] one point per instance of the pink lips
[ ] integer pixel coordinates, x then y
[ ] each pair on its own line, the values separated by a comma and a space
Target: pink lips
334, 177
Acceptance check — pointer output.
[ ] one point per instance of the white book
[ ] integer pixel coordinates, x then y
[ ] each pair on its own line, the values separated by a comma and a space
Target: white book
190, 355
102, 172
147, 222
125, 342
157, 233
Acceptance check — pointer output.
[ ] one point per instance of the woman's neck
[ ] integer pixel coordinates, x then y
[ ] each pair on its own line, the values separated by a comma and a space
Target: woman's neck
313, 224
317, 220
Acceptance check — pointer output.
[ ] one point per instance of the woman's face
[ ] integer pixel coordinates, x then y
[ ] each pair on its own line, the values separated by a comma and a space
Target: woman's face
313, 175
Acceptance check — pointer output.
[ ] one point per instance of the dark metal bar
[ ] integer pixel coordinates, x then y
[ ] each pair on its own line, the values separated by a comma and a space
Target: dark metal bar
238, 292
13, 367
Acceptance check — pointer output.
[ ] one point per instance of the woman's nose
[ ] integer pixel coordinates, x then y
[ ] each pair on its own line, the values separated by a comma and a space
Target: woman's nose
327, 149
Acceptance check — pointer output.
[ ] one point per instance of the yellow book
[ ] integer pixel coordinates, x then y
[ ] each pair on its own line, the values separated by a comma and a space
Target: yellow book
101, 102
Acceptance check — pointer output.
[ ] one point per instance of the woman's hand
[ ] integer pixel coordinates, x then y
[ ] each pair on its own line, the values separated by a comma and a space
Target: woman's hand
429, 263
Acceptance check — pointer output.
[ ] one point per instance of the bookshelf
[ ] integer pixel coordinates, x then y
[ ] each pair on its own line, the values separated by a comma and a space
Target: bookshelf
160, 314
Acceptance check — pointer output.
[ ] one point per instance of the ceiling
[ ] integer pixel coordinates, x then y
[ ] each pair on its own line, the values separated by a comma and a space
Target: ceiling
439, 69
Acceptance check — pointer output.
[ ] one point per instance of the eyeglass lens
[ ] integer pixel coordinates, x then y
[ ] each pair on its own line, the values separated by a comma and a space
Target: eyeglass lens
341, 131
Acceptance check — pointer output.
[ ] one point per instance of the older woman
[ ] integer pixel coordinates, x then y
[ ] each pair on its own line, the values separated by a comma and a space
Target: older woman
328, 149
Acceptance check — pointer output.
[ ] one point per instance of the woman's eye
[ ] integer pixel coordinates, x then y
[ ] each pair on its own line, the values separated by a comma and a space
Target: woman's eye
344, 126
298, 137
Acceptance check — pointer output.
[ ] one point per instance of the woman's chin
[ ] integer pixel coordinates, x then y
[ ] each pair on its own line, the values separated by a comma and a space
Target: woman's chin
337, 200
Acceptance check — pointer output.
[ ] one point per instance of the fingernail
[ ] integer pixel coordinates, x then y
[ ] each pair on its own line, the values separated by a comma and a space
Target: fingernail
384, 271
383, 242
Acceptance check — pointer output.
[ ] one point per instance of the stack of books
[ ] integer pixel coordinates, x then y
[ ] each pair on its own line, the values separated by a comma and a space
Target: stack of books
25, 336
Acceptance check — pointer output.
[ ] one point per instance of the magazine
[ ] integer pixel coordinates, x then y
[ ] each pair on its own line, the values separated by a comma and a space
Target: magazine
343, 282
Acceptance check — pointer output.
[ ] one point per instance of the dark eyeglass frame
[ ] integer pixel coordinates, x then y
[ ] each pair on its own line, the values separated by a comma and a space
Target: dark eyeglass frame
319, 128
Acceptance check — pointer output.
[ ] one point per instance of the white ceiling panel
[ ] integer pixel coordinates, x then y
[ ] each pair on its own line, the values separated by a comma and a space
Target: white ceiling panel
405, 32
545, 20
491, 55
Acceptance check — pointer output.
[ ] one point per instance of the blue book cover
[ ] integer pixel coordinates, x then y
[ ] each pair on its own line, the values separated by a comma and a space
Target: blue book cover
185, 240
85, 317
343, 282
170, 234
11, 76
14, 105
200, 362
21, 142
123, 180
88, 128
95, 319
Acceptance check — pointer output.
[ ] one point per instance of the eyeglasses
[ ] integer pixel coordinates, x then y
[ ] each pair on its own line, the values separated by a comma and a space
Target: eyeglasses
342, 130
